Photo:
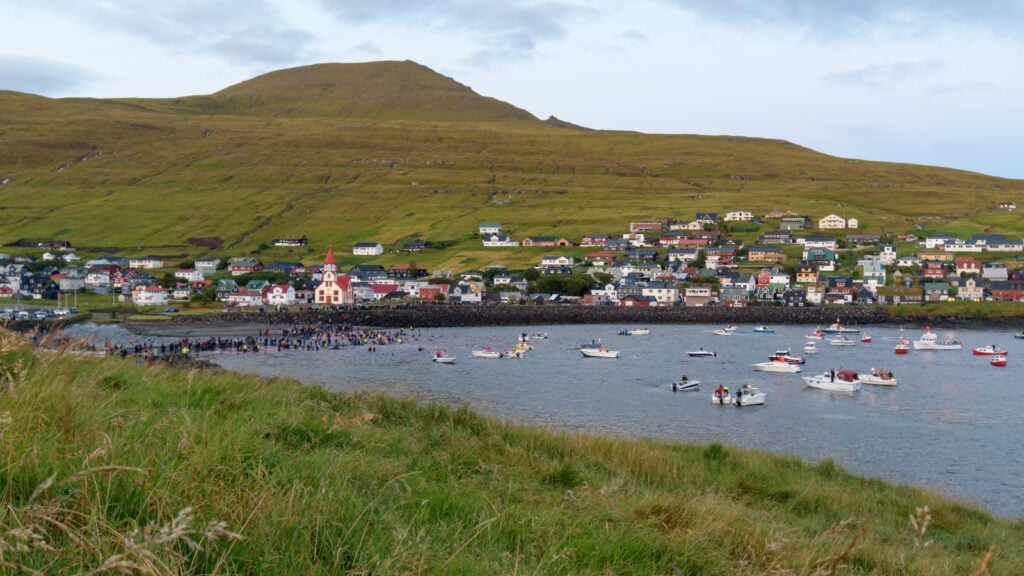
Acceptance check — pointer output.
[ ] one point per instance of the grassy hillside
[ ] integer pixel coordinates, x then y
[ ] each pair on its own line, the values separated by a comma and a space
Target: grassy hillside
115, 468
331, 151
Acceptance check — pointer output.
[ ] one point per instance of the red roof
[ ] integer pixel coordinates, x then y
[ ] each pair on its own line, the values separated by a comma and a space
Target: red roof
330, 255
384, 288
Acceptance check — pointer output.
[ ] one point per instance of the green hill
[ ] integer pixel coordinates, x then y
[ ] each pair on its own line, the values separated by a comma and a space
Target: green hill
114, 468
392, 151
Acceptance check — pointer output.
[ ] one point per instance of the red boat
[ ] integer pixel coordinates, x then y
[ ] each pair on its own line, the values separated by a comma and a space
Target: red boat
902, 346
989, 351
865, 338
998, 361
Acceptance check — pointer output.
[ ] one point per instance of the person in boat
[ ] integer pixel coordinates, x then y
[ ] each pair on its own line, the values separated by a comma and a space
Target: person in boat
684, 380
832, 374
719, 392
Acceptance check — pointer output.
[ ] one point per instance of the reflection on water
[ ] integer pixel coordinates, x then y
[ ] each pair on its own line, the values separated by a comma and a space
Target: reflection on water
952, 424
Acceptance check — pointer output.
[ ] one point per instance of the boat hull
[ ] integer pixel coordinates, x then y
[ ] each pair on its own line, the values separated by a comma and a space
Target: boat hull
700, 353
721, 400
444, 360
687, 386
919, 345
826, 383
876, 381
782, 367
597, 353
486, 354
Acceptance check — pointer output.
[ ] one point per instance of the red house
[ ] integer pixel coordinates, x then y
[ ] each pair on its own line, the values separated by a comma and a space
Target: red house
633, 301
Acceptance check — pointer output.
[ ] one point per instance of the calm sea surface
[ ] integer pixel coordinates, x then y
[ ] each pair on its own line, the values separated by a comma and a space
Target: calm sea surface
953, 424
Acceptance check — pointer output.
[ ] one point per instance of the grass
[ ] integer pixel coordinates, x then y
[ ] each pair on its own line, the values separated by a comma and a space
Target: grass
1004, 311
143, 176
110, 465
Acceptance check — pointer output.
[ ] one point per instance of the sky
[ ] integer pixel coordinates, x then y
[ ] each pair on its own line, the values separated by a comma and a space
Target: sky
936, 82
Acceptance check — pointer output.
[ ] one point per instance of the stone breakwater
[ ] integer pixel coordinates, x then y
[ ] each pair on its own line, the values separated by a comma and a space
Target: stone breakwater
439, 315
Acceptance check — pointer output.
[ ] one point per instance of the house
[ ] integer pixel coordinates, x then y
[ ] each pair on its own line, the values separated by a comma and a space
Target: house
852, 223
698, 295
208, 266
489, 228
556, 261
873, 272
279, 295
996, 243
641, 255
333, 289
144, 262
807, 274
966, 265
794, 223
832, 222
938, 241
181, 292
672, 238
685, 255
636, 239
908, 262
291, 241
591, 240
933, 269
291, 269
1010, 206
637, 301
367, 249
499, 241
245, 298
707, 217
936, 291
887, 255
149, 296
189, 275
969, 288
738, 216
863, 239
733, 297
653, 227
666, 294
1008, 290
818, 241
765, 254
515, 281
244, 265
406, 272
900, 295
535, 241
995, 271
823, 259
692, 225
776, 237
414, 246
794, 297
944, 257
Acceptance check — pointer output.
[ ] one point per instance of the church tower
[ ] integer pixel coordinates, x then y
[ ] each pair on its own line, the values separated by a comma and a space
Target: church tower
333, 291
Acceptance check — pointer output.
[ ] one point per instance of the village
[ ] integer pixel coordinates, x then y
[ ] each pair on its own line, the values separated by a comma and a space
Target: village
736, 259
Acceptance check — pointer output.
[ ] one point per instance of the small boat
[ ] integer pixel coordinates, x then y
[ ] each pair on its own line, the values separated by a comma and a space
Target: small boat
816, 335
727, 331
1019, 335
749, 395
777, 366
486, 353
835, 381
599, 352
810, 348
865, 338
700, 353
541, 335
878, 378
902, 345
989, 351
685, 385
762, 329
634, 332
787, 359
998, 361
929, 341
841, 341
442, 357
721, 396
837, 328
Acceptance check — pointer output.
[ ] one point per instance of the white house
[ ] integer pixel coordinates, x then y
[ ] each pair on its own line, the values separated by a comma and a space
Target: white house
145, 262
149, 296
556, 261
666, 294
852, 223
819, 242
488, 228
245, 298
181, 293
832, 222
697, 295
189, 275
692, 225
908, 261
938, 241
49, 256
207, 265
280, 295
738, 216
367, 249
499, 241
888, 255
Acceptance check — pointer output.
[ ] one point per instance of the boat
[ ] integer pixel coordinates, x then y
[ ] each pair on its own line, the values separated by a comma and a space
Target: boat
837, 328
835, 381
929, 341
486, 353
721, 396
762, 329
810, 348
998, 361
727, 331
634, 332
989, 351
599, 352
685, 385
902, 346
442, 357
816, 335
841, 340
700, 353
878, 378
1019, 335
782, 352
787, 359
541, 335
749, 395
777, 366
865, 338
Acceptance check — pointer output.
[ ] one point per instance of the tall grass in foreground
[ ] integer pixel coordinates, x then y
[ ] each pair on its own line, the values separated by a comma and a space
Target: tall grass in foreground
110, 468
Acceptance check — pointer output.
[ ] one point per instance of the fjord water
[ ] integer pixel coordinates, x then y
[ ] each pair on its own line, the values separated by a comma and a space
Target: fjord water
953, 424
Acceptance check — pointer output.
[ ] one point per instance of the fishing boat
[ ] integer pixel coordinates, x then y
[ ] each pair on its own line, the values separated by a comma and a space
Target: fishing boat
878, 378
777, 366
685, 385
787, 359
749, 395
721, 396
487, 353
929, 341
762, 329
902, 346
816, 335
442, 357
599, 352
865, 338
810, 348
841, 340
998, 361
837, 328
700, 353
989, 351
835, 381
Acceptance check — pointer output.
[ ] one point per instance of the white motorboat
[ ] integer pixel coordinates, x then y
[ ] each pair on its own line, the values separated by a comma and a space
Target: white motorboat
442, 357
992, 350
599, 352
878, 377
841, 340
787, 359
685, 385
763, 329
749, 395
838, 328
929, 341
721, 396
816, 335
634, 332
488, 353
727, 331
700, 353
777, 366
835, 381
998, 360
810, 348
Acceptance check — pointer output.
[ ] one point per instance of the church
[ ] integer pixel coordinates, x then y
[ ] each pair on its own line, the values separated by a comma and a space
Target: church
333, 290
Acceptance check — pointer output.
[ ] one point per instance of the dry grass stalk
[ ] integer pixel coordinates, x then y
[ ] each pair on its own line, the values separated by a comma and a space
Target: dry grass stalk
983, 568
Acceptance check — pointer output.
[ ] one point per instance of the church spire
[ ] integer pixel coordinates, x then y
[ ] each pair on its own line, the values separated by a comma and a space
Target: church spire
330, 255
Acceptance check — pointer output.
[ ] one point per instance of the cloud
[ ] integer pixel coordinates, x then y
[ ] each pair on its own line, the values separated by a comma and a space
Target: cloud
504, 33
42, 75
367, 48
242, 31
885, 75
844, 18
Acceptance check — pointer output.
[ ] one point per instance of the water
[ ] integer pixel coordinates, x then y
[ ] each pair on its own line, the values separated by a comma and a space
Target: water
951, 425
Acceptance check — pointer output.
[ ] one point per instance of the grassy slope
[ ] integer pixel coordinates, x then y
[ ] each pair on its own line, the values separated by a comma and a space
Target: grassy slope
294, 163
323, 483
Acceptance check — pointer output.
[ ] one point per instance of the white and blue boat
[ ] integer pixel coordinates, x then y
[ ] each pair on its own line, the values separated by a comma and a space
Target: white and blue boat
762, 329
